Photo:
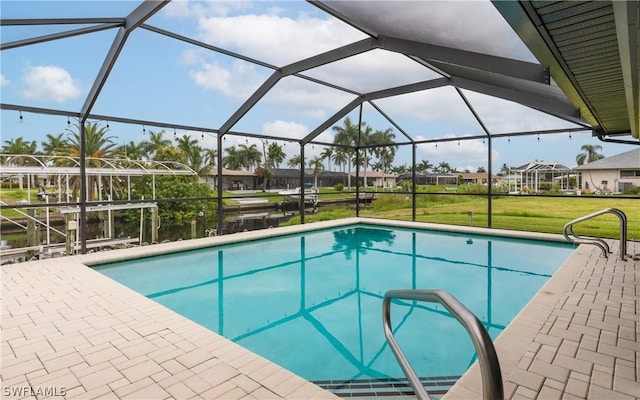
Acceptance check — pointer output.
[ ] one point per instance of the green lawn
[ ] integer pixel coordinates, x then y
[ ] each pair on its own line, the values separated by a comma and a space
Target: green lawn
532, 213
528, 213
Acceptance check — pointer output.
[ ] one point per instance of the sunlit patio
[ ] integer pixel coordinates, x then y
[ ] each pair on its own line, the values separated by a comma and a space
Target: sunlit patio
72, 331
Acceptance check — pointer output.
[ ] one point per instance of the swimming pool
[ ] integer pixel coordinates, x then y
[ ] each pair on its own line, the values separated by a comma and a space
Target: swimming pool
311, 302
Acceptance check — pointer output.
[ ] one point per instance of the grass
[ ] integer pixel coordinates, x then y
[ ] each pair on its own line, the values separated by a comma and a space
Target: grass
538, 214
529, 213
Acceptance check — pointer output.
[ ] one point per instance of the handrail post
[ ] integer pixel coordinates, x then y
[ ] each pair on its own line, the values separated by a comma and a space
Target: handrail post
492, 387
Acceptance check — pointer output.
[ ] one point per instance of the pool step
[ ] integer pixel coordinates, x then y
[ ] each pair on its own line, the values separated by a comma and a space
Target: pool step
387, 387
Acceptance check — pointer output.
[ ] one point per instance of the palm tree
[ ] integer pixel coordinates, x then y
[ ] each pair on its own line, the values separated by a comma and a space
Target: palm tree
364, 139
316, 164
275, 155
232, 159
250, 156
340, 158
326, 154
20, 146
505, 169
347, 135
156, 143
130, 150
387, 152
97, 147
589, 154
444, 167
210, 157
55, 145
423, 166
295, 161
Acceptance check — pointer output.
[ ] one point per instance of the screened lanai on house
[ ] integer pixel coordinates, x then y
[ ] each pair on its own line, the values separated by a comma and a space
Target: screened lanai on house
410, 66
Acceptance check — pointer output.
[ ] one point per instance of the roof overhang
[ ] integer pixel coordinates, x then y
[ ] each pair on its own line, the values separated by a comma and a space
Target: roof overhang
591, 50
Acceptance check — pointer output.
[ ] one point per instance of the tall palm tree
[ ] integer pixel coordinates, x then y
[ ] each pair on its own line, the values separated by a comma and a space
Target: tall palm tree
505, 169
156, 144
131, 150
55, 145
97, 147
232, 159
340, 158
295, 161
210, 157
20, 146
387, 152
316, 164
250, 156
347, 135
275, 155
423, 166
589, 154
444, 167
189, 148
326, 154
365, 138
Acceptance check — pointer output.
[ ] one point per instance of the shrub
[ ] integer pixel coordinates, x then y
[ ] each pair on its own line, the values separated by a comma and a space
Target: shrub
339, 187
632, 190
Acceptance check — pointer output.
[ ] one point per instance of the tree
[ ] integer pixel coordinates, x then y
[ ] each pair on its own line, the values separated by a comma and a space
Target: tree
481, 170
589, 154
316, 164
232, 160
55, 145
130, 150
275, 155
97, 146
340, 158
347, 135
444, 167
326, 154
505, 169
20, 146
364, 139
249, 156
156, 144
295, 161
423, 166
387, 152
210, 157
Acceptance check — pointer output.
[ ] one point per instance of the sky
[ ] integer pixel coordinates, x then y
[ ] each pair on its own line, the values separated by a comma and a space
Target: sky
160, 79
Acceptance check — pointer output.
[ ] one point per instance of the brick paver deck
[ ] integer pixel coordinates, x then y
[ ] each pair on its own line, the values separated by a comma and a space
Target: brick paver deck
579, 338
69, 332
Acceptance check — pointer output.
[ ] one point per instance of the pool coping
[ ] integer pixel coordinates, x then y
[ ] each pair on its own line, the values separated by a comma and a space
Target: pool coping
516, 343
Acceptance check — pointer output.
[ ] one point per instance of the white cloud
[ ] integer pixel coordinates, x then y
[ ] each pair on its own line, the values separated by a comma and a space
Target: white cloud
49, 83
3, 81
503, 116
285, 129
276, 39
238, 82
184, 8
192, 57
469, 154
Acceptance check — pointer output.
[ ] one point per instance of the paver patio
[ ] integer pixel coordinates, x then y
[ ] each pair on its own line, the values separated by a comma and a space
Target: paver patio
70, 332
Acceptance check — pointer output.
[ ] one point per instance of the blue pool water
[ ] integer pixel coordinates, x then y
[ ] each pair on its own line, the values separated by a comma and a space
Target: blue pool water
312, 302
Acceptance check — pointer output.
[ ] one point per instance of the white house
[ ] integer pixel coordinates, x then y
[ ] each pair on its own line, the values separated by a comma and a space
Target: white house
611, 174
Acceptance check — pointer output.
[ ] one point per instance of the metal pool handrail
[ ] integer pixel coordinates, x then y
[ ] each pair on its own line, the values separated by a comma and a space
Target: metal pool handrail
572, 237
489, 366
